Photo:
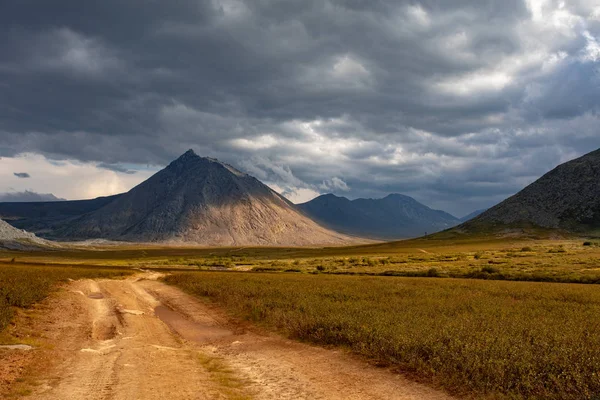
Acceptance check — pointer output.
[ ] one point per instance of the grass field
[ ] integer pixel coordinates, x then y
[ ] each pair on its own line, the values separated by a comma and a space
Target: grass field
547, 261
482, 336
22, 286
564, 260
516, 340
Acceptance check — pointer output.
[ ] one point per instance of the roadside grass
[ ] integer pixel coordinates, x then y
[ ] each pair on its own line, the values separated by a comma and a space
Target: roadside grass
483, 339
23, 286
229, 384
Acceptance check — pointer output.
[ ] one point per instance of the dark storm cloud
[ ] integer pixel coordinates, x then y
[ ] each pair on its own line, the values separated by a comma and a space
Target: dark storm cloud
457, 103
21, 175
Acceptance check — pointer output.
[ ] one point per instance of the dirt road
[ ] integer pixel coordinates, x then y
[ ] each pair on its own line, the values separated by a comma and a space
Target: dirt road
141, 339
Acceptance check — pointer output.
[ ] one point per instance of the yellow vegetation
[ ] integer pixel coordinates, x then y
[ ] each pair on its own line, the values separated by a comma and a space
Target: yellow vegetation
488, 339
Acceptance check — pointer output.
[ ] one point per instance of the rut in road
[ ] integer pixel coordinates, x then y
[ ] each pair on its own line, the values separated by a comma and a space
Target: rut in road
141, 339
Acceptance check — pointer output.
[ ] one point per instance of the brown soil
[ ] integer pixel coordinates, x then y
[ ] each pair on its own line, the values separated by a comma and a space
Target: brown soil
143, 339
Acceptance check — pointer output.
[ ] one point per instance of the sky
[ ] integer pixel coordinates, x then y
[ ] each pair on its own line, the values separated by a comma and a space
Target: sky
458, 104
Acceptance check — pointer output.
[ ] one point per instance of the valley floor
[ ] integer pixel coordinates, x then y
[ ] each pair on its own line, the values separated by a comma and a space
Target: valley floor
114, 330
137, 338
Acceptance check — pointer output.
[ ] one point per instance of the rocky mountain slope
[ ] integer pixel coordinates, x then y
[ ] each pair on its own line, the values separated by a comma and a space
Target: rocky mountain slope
201, 201
8, 232
17, 239
568, 197
393, 217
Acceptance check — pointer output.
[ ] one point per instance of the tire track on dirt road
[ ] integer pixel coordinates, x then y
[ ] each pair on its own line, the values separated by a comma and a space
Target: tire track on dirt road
148, 340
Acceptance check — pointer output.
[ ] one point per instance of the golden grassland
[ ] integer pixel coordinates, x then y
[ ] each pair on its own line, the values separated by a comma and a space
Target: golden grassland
483, 336
565, 260
486, 339
21, 287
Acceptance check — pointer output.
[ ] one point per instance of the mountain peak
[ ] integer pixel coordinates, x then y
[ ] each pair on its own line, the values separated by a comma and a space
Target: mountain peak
192, 156
396, 196
190, 160
188, 155
399, 197
185, 158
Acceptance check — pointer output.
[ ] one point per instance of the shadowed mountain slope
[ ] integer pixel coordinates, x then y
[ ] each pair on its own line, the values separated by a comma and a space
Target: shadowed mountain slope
202, 201
44, 217
393, 217
568, 198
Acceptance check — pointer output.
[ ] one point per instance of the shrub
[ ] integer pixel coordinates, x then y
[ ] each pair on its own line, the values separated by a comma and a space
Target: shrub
559, 249
490, 270
433, 273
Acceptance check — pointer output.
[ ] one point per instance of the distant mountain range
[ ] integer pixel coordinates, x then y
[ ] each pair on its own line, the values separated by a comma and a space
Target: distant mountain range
472, 215
203, 201
28, 196
44, 217
394, 217
567, 198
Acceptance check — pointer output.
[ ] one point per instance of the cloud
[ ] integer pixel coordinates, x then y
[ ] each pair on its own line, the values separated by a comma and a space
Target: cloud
67, 179
334, 184
592, 48
458, 104
281, 179
27, 196
116, 168
21, 175
295, 195
64, 50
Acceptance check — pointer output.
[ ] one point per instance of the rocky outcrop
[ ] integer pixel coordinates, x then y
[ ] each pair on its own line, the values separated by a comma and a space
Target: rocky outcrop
17, 239
8, 232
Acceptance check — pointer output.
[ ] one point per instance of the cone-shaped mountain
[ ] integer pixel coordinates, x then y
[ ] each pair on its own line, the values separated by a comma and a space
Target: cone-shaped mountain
203, 201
